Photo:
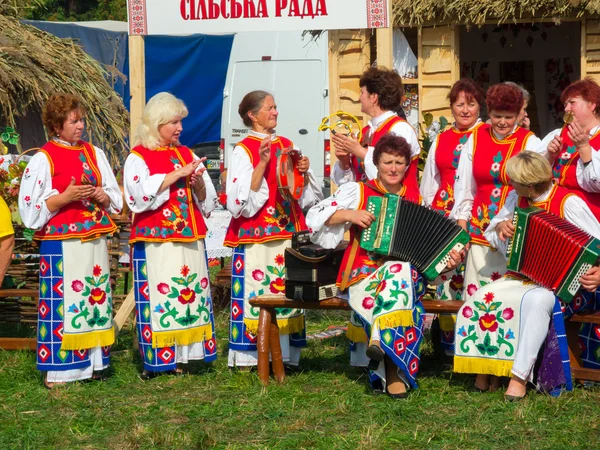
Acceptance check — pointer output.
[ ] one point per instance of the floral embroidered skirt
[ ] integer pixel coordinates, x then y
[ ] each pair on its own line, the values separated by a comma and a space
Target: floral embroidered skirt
174, 309
258, 269
75, 305
484, 265
387, 303
489, 328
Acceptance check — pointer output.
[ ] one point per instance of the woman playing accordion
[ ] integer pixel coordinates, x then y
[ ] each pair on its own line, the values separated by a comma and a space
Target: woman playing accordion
502, 327
384, 295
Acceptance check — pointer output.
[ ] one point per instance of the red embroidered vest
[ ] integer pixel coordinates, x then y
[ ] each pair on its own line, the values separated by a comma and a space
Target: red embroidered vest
82, 219
555, 203
447, 154
564, 170
278, 218
489, 161
361, 266
178, 219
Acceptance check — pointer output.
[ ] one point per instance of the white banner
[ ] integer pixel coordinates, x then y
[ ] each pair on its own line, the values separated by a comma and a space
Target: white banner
173, 17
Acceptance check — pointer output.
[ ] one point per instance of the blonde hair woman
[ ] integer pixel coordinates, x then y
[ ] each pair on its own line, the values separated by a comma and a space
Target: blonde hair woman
501, 328
168, 189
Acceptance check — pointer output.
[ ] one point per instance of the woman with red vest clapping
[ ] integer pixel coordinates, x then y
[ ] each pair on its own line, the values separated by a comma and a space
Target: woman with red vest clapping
67, 192
260, 230
380, 98
170, 193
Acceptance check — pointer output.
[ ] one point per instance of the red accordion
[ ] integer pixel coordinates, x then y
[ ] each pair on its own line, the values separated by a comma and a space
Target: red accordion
551, 251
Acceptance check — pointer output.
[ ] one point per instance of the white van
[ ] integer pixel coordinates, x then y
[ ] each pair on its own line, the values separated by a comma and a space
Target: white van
294, 69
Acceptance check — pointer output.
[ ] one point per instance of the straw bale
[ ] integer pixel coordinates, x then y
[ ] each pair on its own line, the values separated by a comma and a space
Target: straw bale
35, 64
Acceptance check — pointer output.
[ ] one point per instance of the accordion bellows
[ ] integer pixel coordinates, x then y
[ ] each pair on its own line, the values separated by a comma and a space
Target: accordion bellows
551, 251
410, 232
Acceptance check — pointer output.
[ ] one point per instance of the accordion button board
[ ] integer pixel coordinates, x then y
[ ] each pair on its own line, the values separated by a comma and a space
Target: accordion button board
409, 232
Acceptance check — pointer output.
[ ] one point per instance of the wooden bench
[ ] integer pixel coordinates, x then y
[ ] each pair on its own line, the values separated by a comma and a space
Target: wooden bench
268, 330
14, 343
572, 326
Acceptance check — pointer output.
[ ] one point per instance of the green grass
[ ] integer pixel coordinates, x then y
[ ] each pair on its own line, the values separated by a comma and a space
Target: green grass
325, 405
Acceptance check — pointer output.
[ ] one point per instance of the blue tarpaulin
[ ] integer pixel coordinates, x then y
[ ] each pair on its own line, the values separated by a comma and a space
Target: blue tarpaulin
193, 68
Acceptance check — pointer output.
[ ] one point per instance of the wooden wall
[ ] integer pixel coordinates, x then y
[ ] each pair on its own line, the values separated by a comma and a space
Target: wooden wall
439, 68
590, 48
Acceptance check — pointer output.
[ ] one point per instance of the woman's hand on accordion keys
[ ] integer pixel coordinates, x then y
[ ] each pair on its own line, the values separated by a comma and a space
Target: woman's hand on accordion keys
591, 280
455, 259
363, 219
505, 230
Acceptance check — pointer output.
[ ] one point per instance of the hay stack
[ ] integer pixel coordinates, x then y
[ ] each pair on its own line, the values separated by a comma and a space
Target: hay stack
35, 64
477, 12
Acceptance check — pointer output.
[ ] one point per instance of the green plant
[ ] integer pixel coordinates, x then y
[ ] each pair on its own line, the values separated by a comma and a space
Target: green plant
429, 130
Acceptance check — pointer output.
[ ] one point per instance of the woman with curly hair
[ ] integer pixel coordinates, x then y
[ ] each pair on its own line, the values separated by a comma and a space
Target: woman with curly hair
381, 99
482, 184
67, 192
169, 191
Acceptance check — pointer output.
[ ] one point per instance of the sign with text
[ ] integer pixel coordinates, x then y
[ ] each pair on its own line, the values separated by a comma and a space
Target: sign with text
172, 17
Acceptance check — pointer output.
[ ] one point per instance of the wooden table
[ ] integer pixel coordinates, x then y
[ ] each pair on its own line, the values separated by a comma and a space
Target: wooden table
268, 330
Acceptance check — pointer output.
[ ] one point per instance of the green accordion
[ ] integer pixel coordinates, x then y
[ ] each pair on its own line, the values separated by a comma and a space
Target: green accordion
413, 233
551, 251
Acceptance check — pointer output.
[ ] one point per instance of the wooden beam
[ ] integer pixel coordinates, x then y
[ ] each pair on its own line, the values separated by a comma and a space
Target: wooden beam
124, 312
385, 42
137, 83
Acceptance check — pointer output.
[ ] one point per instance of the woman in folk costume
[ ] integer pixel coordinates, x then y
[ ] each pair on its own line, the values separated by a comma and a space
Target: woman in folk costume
67, 192
384, 296
261, 228
574, 154
502, 327
380, 98
169, 191
482, 186
437, 184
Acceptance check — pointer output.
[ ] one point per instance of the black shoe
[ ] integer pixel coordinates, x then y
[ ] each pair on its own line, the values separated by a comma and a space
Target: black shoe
375, 352
400, 396
373, 364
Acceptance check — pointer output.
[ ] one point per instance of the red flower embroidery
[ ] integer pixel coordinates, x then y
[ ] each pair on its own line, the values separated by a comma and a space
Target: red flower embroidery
77, 286
163, 288
395, 268
186, 295
185, 270
283, 222
277, 286
258, 275
97, 270
204, 282
488, 322
496, 276
97, 296
136, 178
333, 203
368, 302
467, 312
27, 198
279, 260
508, 314
489, 297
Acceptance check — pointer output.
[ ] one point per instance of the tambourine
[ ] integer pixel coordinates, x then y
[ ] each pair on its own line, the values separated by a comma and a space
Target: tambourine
289, 178
326, 123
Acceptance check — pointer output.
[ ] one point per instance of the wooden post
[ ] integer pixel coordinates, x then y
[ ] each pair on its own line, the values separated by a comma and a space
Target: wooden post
137, 83
276, 356
262, 344
385, 42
